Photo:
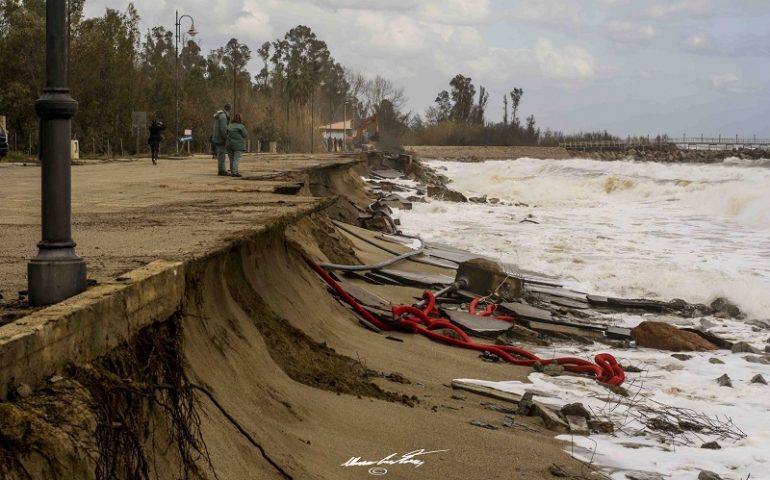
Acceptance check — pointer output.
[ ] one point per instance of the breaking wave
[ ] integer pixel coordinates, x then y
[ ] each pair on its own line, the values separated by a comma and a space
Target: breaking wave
692, 231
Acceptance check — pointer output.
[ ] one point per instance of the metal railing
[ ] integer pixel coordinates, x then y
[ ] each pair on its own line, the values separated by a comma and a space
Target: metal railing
684, 142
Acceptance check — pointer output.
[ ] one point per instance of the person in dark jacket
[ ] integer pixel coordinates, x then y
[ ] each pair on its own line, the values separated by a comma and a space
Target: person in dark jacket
219, 136
156, 127
236, 143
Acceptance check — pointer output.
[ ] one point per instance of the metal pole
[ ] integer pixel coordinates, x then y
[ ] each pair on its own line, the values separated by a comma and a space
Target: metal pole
57, 272
345, 126
176, 80
312, 122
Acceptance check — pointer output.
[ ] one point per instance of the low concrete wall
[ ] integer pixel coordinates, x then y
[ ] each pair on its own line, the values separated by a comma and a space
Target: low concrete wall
88, 325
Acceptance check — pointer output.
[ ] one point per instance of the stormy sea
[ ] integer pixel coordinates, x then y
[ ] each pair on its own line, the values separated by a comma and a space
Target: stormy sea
637, 230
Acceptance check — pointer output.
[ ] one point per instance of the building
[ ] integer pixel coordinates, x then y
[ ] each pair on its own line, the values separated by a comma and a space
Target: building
337, 130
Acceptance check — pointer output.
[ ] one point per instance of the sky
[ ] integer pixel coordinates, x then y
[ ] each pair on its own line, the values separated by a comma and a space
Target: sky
631, 67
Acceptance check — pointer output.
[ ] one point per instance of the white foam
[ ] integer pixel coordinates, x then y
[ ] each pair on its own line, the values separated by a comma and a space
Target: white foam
691, 231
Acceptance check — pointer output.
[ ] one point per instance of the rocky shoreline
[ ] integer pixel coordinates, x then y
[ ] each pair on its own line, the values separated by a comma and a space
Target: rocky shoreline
670, 155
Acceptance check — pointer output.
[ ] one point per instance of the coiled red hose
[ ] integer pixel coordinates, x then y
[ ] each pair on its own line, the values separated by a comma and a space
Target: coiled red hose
605, 369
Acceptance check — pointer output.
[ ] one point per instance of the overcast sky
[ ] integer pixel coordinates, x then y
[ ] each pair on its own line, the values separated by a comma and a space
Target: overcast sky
627, 66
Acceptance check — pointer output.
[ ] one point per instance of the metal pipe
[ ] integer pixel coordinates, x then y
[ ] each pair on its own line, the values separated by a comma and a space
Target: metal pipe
57, 272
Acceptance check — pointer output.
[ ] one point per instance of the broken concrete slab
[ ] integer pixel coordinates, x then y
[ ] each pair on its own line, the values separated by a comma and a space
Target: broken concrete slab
483, 327
577, 425
550, 418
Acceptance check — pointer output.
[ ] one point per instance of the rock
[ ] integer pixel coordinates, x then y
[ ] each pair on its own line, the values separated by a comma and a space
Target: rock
601, 426
576, 409
706, 475
743, 347
644, 476
477, 423
443, 193
398, 378
525, 404
551, 419
631, 369
494, 200
23, 390
481, 199
767, 348
508, 421
716, 361
763, 324
757, 359
681, 356
758, 379
710, 337
667, 337
724, 308
558, 471
711, 446
724, 381
577, 425
553, 369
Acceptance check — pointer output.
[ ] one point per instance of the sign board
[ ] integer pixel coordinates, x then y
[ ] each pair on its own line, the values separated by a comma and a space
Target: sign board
188, 133
185, 138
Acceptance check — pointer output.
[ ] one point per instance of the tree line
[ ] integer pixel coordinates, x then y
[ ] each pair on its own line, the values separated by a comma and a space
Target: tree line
115, 71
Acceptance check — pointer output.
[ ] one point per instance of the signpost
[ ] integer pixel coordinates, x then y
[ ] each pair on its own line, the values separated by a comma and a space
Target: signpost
186, 138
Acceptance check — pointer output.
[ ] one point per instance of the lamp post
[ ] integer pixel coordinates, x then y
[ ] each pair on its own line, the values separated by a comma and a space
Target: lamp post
345, 125
192, 32
57, 272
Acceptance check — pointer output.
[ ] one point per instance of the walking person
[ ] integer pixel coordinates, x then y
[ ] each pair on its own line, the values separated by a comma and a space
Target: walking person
219, 137
236, 143
156, 127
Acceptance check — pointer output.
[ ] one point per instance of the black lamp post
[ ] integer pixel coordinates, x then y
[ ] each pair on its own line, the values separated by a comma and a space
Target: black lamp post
192, 32
57, 272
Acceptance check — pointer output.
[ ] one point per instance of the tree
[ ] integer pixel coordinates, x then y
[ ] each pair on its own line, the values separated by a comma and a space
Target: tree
505, 110
235, 56
463, 93
477, 114
516, 95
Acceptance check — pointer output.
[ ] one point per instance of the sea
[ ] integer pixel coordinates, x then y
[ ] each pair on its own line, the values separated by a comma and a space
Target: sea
636, 229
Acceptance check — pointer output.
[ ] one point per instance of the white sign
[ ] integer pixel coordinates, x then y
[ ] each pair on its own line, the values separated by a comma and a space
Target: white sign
188, 132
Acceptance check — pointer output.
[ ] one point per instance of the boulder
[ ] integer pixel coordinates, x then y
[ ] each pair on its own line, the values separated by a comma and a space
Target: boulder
446, 194
663, 336
759, 379
724, 381
707, 475
743, 347
724, 308
576, 409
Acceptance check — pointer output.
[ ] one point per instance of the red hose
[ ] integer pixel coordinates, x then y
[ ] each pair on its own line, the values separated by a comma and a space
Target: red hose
425, 321
345, 295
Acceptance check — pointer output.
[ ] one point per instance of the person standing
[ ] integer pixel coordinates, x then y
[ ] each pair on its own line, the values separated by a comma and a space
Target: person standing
219, 137
156, 127
236, 143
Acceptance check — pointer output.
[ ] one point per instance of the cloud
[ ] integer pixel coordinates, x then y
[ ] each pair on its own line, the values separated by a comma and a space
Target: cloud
454, 12
628, 32
727, 82
567, 63
699, 42
681, 8
562, 14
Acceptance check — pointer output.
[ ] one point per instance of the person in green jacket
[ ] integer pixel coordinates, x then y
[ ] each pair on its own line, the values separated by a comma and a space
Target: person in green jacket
219, 136
236, 143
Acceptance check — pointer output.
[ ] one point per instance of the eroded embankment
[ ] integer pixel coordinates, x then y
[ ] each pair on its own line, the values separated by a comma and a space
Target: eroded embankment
262, 374
144, 410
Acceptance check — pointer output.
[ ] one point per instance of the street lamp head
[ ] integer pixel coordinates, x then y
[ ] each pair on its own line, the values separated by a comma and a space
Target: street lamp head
192, 32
